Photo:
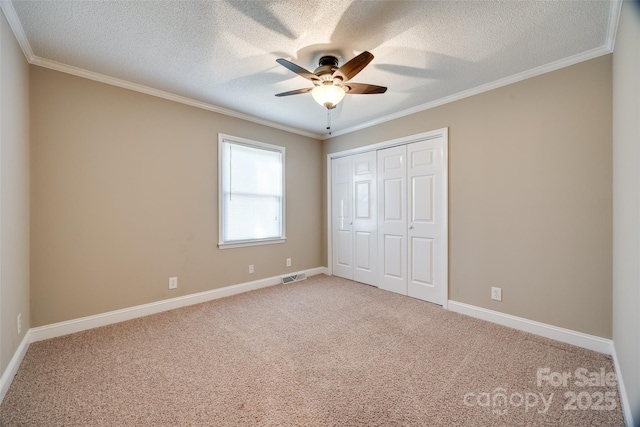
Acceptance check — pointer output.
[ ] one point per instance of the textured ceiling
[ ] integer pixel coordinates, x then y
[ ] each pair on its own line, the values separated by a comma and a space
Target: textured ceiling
223, 52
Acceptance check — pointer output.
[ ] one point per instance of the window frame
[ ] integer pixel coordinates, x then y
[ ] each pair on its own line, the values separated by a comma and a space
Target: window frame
222, 138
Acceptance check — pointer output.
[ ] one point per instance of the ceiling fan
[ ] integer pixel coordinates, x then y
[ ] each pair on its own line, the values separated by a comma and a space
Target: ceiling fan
330, 82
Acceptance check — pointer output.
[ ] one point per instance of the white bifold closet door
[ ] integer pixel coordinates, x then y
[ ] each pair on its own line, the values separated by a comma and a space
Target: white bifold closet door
392, 226
354, 217
342, 216
411, 224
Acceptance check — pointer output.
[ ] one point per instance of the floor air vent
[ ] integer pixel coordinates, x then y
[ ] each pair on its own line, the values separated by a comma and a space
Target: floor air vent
294, 278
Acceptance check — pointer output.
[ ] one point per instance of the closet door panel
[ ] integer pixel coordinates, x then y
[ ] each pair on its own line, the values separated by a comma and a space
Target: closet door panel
364, 261
392, 223
365, 217
422, 207
425, 204
421, 251
342, 216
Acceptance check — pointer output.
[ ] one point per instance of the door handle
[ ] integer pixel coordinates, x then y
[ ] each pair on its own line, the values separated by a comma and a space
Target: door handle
411, 227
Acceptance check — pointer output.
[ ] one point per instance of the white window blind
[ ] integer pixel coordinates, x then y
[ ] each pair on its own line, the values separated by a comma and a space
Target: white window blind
251, 192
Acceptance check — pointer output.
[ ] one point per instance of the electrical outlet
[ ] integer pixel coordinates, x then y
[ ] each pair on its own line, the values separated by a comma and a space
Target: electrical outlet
173, 282
496, 293
288, 262
251, 269
19, 323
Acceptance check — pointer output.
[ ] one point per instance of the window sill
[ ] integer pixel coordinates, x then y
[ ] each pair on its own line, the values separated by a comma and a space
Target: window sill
232, 245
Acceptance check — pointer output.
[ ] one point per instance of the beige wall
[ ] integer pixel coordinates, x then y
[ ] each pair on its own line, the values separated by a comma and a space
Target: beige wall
14, 193
626, 201
124, 191
530, 176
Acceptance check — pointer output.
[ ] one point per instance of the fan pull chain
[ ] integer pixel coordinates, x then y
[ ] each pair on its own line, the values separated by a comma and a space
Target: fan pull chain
329, 121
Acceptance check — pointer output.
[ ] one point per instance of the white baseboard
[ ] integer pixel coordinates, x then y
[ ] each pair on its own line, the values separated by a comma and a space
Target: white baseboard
568, 336
76, 325
14, 364
624, 399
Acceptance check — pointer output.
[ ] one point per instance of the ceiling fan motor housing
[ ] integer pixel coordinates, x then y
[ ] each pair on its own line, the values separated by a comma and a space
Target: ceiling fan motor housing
328, 60
327, 65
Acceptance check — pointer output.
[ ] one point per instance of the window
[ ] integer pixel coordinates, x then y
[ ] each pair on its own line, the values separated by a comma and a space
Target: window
250, 192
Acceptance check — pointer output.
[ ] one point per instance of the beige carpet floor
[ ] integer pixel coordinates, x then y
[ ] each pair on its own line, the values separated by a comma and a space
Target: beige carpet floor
323, 352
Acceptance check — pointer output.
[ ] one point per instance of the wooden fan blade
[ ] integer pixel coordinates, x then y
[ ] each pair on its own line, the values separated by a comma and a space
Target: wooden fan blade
363, 88
295, 92
353, 67
297, 69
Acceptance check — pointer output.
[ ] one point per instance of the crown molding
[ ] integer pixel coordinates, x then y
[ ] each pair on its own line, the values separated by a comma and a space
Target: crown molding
16, 27
553, 66
80, 72
614, 18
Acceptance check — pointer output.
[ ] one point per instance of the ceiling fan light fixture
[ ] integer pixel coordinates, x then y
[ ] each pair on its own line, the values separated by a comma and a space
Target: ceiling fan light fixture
328, 95
330, 82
